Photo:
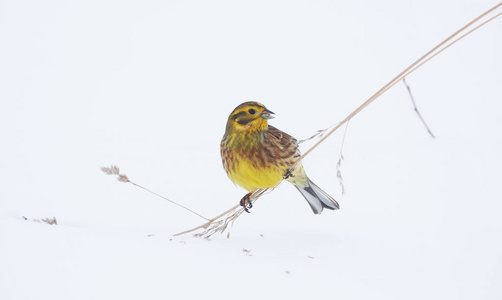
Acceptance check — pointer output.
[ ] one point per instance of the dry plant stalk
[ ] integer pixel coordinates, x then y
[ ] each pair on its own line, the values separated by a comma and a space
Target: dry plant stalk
415, 108
339, 173
340, 159
418, 63
319, 134
220, 223
217, 225
50, 221
114, 170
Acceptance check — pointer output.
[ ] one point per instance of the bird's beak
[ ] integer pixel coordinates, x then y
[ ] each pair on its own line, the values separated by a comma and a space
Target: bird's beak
267, 114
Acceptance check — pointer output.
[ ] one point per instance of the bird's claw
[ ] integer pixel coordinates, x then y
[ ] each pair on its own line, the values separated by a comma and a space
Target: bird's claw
246, 203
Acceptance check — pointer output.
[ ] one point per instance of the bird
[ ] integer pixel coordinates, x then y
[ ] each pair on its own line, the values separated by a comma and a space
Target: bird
257, 156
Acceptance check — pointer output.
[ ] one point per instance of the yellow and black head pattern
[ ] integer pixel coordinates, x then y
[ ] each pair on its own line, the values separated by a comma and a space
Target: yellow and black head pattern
249, 116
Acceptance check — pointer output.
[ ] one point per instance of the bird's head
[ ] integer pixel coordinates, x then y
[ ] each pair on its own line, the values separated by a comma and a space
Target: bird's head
249, 116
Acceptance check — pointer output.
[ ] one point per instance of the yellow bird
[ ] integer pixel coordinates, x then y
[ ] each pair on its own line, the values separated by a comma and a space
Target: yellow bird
256, 155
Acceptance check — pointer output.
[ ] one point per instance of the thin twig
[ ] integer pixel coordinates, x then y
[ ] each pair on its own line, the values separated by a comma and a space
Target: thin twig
319, 134
324, 134
340, 159
221, 221
456, 40
205, 225
50, 221
416, 108
419, 62
114, 170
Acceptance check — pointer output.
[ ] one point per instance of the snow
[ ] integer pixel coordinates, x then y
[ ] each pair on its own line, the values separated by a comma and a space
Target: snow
148, 87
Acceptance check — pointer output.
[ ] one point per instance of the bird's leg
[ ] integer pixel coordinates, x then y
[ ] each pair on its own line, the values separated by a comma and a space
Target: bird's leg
289, 173
246, 202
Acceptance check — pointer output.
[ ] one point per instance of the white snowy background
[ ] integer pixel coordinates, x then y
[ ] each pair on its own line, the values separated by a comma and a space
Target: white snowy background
148, 85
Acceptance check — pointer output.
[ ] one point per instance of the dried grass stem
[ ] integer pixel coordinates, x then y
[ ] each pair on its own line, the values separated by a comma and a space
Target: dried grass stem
220, 223
418, 63
114, 170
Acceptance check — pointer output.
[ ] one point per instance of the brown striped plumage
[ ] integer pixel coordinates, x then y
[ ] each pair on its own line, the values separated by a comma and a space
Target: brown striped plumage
262, 146
258, 156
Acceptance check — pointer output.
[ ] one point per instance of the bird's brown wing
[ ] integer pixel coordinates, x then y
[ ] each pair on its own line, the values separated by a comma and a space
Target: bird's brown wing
284, 147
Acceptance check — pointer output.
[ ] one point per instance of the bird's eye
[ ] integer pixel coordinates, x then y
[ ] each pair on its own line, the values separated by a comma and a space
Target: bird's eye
252, 111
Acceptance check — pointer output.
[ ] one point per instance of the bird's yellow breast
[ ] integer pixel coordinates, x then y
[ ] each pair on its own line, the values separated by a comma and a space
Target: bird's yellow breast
246, 174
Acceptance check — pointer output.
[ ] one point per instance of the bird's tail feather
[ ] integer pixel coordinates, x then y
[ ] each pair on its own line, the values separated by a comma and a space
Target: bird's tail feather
317, 198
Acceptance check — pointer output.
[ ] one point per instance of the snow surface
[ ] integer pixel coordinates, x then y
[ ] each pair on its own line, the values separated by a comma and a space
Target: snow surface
148, 86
